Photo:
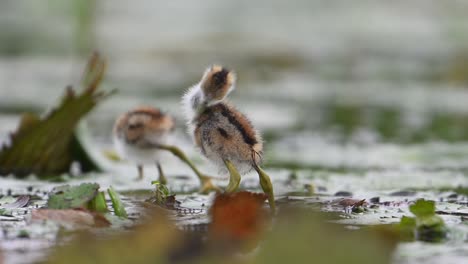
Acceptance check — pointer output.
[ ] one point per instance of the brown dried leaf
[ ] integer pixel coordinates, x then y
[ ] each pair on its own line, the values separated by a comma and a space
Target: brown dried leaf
21, 201
238, 217
68, 216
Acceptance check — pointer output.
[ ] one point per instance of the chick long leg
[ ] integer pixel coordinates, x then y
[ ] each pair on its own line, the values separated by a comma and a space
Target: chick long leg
206, 184
234, 177
267, 187
140, 172
162, 177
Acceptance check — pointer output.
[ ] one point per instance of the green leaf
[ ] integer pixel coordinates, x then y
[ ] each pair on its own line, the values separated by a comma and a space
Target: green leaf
427, 226
408, 222
47, 146
160, 193
407, 228
423, 208
119, 209
98, 204
70, 197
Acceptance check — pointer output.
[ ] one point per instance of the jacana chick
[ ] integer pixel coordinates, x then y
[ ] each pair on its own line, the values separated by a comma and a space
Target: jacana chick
140, 136
223, 134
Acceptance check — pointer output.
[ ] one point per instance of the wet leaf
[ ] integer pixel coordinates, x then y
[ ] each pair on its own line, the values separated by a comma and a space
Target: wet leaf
47, 146
21, 201
119, 209
71, 216
98, 204
426, 226
237, 217
423, 208
71, 197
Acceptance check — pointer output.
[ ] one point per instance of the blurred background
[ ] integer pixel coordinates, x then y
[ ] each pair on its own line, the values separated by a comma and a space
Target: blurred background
330, 83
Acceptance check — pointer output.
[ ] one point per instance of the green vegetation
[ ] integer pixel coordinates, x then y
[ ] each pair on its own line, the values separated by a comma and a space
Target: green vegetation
48, 146
71, 197
117, 204
425, 226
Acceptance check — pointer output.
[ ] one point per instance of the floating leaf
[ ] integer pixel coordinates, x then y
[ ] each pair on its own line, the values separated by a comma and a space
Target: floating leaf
423, 208
71, 197
47, 146
238, 218
119, 209
426, 226
70, 216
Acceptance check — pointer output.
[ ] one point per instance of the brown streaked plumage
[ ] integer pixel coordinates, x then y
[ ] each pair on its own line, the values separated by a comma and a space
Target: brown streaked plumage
223, 134
138, 132
142, 134
144, 126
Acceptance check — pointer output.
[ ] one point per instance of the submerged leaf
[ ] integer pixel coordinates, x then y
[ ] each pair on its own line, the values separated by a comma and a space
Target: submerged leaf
71, 197
119, 209
47, 146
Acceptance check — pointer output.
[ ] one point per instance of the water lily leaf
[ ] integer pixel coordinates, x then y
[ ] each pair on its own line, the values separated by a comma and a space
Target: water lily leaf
71, 216
71, 197
426, 226
423, 208
117, 204
238, 218
47, 146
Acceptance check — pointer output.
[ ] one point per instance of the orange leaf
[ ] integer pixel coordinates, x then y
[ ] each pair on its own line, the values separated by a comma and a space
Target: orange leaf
238, 216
